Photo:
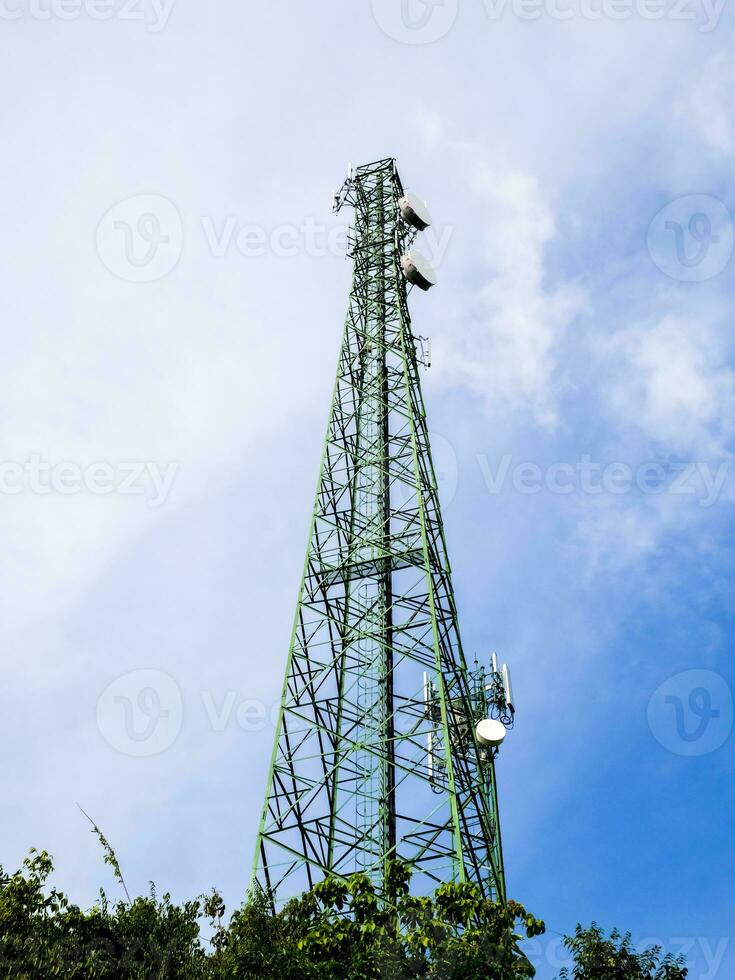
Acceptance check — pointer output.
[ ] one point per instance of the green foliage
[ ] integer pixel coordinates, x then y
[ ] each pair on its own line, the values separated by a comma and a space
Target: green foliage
110, 856
43, 935
340, 930
600, 957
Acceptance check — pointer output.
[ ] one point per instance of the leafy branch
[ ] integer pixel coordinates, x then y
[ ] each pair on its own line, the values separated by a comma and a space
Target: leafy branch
110, 856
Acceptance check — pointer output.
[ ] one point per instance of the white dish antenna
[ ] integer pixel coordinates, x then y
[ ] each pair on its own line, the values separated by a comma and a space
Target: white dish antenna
414, 211
418, 270
490, 732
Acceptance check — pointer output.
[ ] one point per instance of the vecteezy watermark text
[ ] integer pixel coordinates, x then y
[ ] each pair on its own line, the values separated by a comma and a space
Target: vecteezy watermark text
132, 478
426, 21
700, 480
706, 13
308, 237
231, 235
704, 955
154, 14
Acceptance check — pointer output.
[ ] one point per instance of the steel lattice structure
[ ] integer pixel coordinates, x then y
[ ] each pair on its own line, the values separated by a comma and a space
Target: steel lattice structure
375, 755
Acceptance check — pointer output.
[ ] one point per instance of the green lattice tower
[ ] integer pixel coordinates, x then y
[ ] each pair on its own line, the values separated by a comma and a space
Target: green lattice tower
375, 755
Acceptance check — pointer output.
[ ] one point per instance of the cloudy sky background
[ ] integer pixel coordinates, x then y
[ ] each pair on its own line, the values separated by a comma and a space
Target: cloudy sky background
546, 149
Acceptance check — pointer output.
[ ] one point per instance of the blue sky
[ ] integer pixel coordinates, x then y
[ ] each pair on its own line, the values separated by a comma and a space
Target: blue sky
579, 174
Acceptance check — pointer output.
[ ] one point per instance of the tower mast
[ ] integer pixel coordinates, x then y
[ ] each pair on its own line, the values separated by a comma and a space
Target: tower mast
385, 742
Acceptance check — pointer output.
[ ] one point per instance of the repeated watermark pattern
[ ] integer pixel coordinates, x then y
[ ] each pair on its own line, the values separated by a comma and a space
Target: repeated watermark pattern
141, 712
426, 21
691, 713
154, 15
141, 238
691, 238
703, 482
704, 955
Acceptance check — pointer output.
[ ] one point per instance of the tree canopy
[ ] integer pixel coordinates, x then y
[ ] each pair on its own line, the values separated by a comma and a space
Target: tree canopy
340, 930
600, 957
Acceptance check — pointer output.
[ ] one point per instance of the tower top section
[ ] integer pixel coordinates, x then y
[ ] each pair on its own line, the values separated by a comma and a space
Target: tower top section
410, 213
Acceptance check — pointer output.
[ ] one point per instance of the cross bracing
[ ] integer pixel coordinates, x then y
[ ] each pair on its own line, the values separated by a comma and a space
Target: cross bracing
375, 756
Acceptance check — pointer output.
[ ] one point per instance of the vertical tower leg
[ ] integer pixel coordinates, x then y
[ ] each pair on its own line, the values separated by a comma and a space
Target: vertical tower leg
375, 755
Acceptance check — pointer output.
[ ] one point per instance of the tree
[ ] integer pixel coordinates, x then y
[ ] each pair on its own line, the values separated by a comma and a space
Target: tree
340, 930
600, 957
44, 935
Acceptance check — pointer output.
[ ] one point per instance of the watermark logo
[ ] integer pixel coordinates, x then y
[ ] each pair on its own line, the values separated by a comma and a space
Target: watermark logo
141, 713
691, 713
415, 21
691, 239
141, 238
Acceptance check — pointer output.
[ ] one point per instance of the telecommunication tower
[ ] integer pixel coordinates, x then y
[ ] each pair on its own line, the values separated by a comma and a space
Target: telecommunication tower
386, 742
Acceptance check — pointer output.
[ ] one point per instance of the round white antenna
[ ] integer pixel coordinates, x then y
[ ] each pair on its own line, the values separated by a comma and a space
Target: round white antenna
418, 270
490, 732
414, 211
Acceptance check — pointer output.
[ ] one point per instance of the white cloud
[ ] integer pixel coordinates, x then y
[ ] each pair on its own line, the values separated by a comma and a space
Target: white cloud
708, 109
504, 344
620, 534
671, 382
670, 394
